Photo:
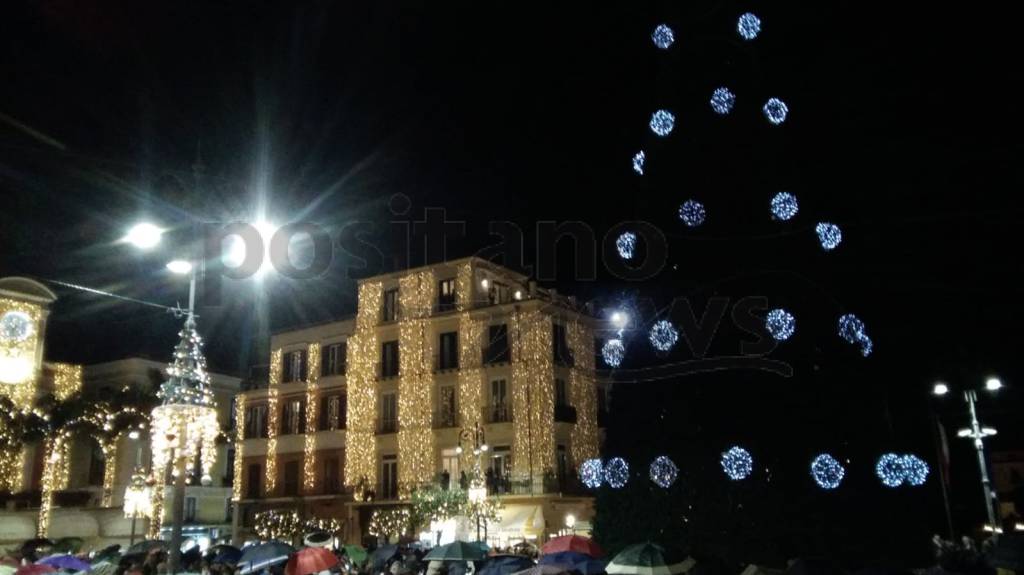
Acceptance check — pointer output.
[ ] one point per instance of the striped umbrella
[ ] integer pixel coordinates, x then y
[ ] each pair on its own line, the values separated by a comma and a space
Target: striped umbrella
647, 559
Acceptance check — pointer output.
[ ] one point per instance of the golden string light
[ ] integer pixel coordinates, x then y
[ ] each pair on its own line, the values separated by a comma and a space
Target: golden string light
464, 288
361, 457
416, 381
390, 523
109, 449
236, 485
470, 378
67, 380
583, 392
533, 402
270, 475
54, 473
312, 415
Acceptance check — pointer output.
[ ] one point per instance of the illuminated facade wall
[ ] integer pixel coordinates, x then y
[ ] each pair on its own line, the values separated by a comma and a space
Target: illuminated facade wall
471, 378
416, 381
583, 392
312, 417
533, 395
236, 485
270, 477
360, 445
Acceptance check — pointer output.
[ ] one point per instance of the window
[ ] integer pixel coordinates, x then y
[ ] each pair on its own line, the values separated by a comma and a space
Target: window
450, 464
563, 467
294, 364
449, 351
389, 359
293, 421
256, 422
496, 350
333, 359
190, 510
229, 477
332, 412
389, 477
97, 462
499, 402
252, 481
446, 414
388, 413
498, 293
561, 352
390, 311
446, 295
561, 398
331, 482
291, 479
499, 472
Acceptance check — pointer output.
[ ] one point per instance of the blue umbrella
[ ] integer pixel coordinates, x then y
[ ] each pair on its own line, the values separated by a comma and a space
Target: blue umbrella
590, 566
505, 565
264, 555
227, 556
563, 558
65, 562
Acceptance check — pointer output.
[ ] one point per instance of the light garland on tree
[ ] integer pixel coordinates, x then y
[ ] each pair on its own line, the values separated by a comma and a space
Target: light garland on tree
616, 473
827, 472
361, 452
416, 380
67, 380
663, 472
583, 391
737, 463
312, 417
592, 473
385, 523
54, 475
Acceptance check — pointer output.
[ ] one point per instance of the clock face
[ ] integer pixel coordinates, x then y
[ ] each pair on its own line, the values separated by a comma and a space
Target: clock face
15, 326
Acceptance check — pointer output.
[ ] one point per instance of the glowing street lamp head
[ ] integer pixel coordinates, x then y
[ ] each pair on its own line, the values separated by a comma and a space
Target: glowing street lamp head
180, 267
144, 235
940, 389
993, 383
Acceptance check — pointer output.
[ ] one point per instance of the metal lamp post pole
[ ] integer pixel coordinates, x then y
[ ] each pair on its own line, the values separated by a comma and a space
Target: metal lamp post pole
977, 434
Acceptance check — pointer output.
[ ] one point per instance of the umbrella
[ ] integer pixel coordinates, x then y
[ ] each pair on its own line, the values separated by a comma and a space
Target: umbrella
264, 555
576, 543
809, 566
101, 568
549, 569
145, 546
591, 566
110, 554
456, 551
381, 555
34, 569
310, 560
505, 565
1008, 553
646, 559
563, 558
318, 539
355, 553
227, 555
65, 562
7, 569
68, 545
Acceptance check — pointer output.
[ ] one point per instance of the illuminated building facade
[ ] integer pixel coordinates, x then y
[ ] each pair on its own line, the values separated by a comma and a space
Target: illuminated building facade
358, 413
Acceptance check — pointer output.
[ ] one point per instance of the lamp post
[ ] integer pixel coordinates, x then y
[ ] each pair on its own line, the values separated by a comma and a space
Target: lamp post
977, 432
138, 500
477, 492
570, 522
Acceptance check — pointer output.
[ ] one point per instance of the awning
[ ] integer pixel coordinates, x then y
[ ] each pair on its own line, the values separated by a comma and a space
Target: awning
519, 520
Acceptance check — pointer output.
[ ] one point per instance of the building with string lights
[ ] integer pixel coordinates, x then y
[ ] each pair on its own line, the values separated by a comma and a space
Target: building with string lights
457, 374
67, 476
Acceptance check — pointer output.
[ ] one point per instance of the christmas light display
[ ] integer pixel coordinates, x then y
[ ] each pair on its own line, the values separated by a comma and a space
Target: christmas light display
784, 206
138, 501
416, 380
312, 418
890, 470
663, 472
236, 484
776, 111
583, 391
780, 324
737, 463
270, 469
592, 473
662, 123
829, 235
915, 470
470, 378
390, 524
827, 471
626, 245
692, 213
663, 37
748, 26
639, 159
663, 335
361, 443
533, 394
722, 100
852, 329
67, 380
616, 473
613, 352
19, 340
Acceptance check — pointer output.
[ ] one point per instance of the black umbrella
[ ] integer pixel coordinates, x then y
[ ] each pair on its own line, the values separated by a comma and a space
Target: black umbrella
145, 546
1008, 553
381, 555
264, 555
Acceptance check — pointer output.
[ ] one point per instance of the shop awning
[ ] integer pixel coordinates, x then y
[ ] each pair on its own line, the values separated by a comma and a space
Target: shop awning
521, 520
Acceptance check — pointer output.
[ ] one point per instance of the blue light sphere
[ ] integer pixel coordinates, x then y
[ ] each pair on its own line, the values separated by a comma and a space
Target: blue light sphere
663, 335
784, 206
915, 470
616, 473
626, 244
829, 235
780, 324
613, 352
663, 472
827, 472
890, 470
737, 463
776, 111
662, 122
692, 213
852, 329
748, 26
639, 159
592, 473
663, 37
722, 100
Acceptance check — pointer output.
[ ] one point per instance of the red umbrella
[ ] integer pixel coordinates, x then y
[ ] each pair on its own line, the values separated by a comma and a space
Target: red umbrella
34, 569
575, 543
310, 560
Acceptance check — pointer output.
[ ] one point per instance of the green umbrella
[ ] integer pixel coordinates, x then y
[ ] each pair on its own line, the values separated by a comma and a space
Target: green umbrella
457, 551
355, 553
647, 559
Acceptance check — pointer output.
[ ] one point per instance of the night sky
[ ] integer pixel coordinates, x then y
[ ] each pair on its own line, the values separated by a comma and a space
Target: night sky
903, 129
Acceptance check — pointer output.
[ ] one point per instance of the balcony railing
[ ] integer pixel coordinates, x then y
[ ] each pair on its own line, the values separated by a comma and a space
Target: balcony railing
442, 363
496, 355
500, 413
445, 419
386, 426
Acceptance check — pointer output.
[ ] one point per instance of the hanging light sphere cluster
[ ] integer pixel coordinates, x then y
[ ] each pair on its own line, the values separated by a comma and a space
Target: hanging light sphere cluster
663, 122
737, 463
663, 335
592, 473
827, 472
852, 329
639, 159
775, 110
692, 213
663, 37
626, 245
748, 26
613, 352
784, 206
829, 235
780, 324
616, 473
663, 472
915, 470
890, 470
722, 100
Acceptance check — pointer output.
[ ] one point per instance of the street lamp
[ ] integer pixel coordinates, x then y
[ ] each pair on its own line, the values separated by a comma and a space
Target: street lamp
977, 432
138, 500
144, 235
477, 492
570, 522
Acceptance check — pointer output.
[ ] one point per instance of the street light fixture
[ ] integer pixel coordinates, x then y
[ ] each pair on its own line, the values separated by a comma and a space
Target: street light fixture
570, 522
993, 384
144, 235
940, 389
138, 500
180, 267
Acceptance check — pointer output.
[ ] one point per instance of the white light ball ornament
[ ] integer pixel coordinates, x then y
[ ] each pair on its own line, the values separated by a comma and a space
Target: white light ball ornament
692, 213
592, 473
722, 100
639, 159
662, 123
915, 470
748, 26
776, 111
890, 470
613, 352
663, 335
663, 37
784, 206
737, 463
663, 472
827, 472
626, 245
829, 235
616, 473
780, 324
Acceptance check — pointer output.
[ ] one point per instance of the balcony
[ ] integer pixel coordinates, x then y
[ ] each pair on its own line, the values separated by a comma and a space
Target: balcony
386, 371
496, 355
499, 413
443, 364
386, 426
445, 419
565, 413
